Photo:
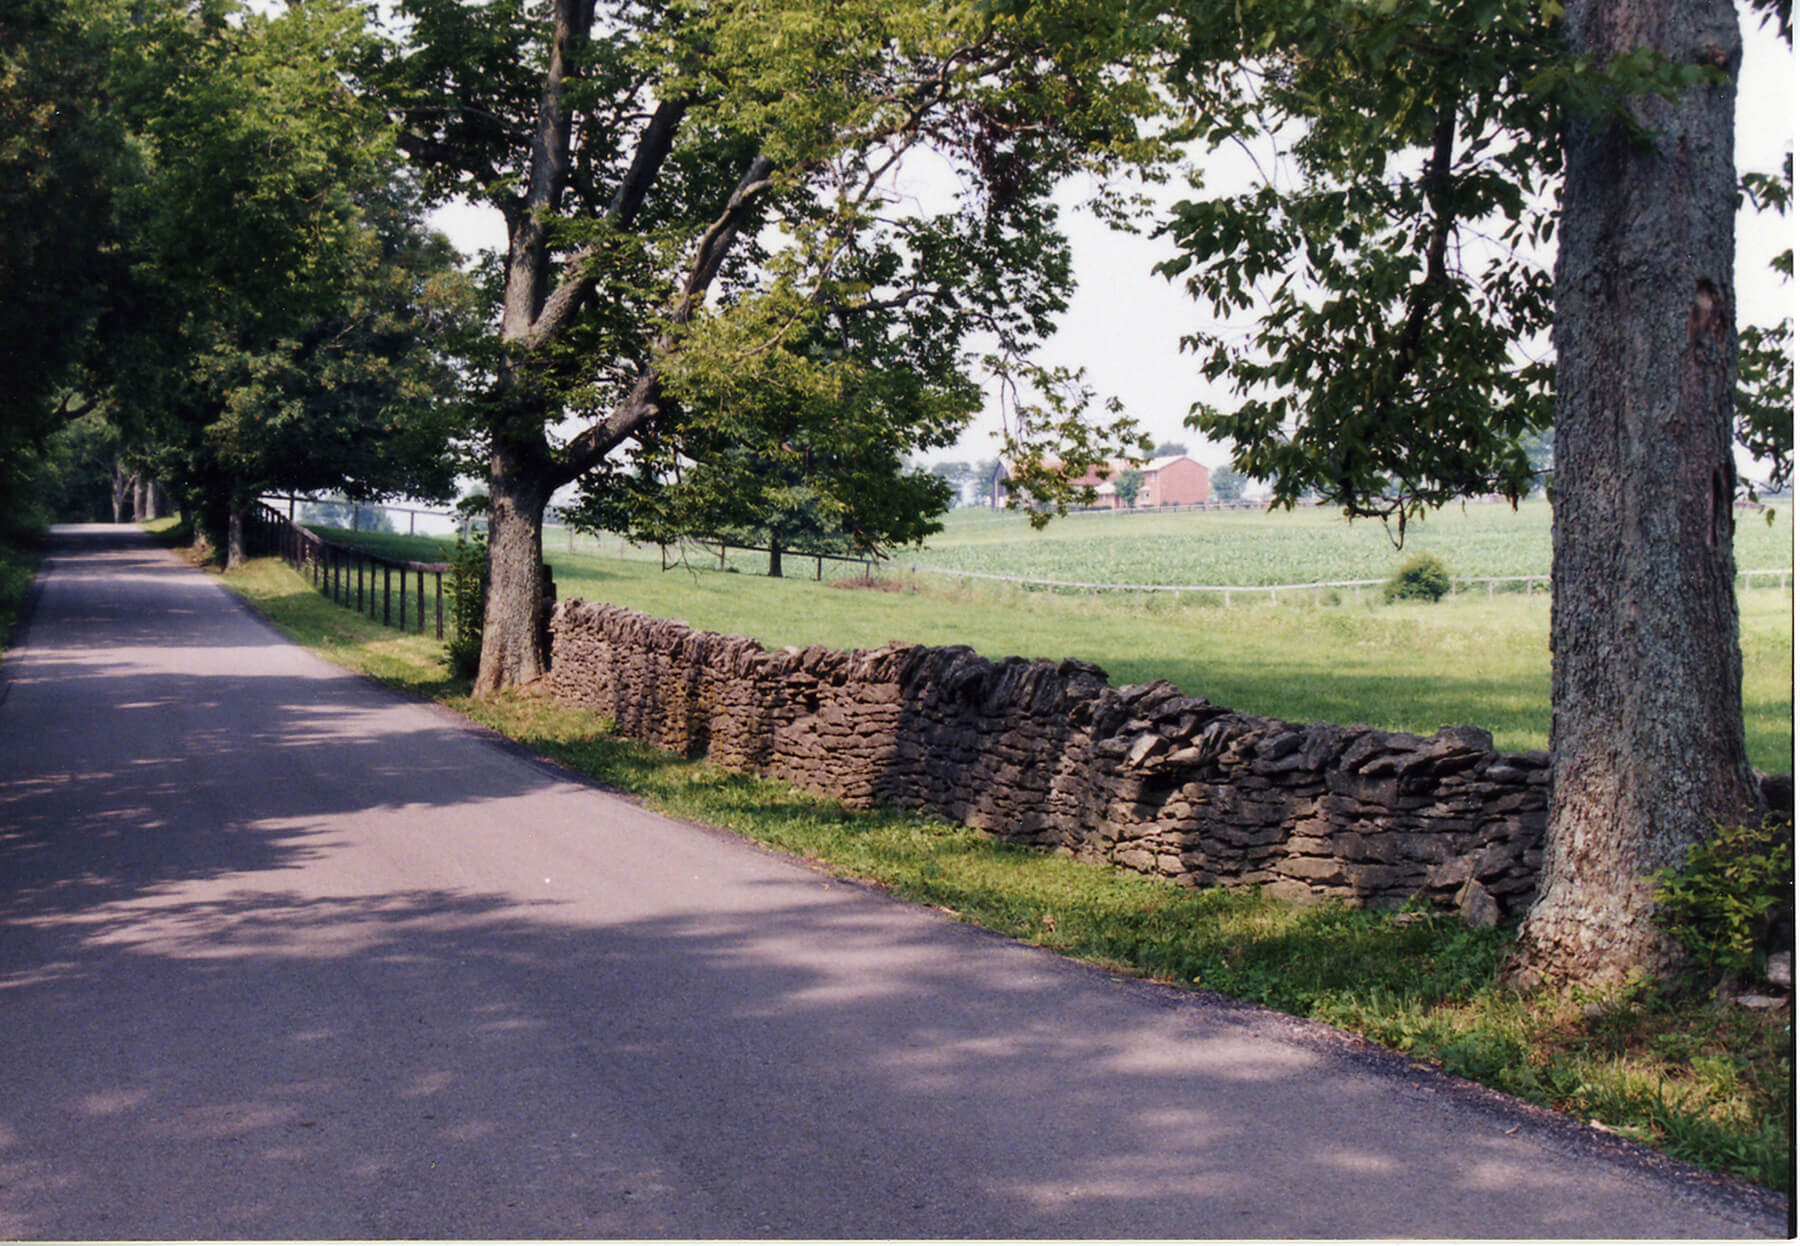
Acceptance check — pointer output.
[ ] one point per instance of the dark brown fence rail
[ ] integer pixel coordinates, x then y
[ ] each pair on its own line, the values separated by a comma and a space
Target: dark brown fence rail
868, 562
371, 584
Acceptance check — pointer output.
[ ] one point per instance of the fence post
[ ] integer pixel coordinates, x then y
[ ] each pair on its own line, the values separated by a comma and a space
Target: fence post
387, 595
440, 604
421, 596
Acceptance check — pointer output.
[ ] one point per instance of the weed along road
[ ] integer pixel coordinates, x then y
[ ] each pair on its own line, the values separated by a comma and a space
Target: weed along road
285, 955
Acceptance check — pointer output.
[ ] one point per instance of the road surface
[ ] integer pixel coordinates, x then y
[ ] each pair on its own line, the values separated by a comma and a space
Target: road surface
284, 955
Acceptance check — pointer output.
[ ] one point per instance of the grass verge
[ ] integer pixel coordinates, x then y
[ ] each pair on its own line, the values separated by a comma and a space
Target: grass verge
1708, 1082
18, 565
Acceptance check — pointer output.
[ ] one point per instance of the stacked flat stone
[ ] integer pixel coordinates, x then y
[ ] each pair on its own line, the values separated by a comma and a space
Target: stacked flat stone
1051, 754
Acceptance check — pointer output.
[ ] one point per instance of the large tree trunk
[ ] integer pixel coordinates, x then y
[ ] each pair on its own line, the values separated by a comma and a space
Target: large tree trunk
520, 477
235, 534
512, 649
1647, 728
121, 490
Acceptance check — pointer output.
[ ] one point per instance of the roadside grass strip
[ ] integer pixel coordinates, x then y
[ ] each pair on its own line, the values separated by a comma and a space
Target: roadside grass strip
1706, 1081
18, 566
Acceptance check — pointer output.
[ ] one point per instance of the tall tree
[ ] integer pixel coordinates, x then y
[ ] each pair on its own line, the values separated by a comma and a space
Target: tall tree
1227, 484
684, 183
64, 154
1388, 257
1399, 363
294, 304
1129, 484
1647, 734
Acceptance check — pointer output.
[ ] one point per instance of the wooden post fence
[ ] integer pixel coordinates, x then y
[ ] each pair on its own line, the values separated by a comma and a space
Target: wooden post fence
332, 568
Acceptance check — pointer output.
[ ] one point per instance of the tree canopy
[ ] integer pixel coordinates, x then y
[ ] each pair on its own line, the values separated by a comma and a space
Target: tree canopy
233, 268
707, 253
63, 151
1394, 262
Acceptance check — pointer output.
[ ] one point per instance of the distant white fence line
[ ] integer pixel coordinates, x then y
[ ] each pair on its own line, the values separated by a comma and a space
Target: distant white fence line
1273, 590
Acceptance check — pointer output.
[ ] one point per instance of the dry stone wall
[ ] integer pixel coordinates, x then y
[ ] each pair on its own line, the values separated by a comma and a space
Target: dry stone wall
1050, 754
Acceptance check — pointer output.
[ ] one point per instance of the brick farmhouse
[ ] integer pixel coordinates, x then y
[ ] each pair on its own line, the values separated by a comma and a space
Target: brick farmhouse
1173, 480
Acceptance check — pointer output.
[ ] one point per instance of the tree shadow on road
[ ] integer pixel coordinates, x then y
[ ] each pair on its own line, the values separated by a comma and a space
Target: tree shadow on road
815, 1062
275, 961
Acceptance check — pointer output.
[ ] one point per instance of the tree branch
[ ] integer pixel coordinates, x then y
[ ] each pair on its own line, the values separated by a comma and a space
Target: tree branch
528, 260
653, 148
645, 401
1425, 296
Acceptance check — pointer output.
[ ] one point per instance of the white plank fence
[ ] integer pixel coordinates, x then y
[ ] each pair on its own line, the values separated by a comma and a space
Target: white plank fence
1273, 591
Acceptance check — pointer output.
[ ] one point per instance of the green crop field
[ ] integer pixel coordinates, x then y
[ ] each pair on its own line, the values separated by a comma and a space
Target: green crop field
1406, 666
1225, 548
1251, 547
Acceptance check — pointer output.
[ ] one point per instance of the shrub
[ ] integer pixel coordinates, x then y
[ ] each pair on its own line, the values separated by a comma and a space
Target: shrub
468, 602
1423, 577
1727, 894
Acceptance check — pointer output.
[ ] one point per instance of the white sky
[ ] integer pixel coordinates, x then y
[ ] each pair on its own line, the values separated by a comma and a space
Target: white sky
1124, 323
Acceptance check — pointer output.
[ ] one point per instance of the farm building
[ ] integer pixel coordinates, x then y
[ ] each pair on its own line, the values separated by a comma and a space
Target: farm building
1173, 480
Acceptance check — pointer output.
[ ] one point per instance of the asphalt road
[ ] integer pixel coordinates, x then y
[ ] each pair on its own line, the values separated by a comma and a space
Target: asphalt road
284, 955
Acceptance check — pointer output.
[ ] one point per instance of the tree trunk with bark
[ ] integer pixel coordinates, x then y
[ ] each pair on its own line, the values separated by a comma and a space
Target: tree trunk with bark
1647, 729
519, 488
121, 491
523, 470
235, 534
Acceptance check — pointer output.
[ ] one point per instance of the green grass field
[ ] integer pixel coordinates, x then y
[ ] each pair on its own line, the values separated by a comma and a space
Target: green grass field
1250, 547
18, 566
1405, 667
1240, 547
